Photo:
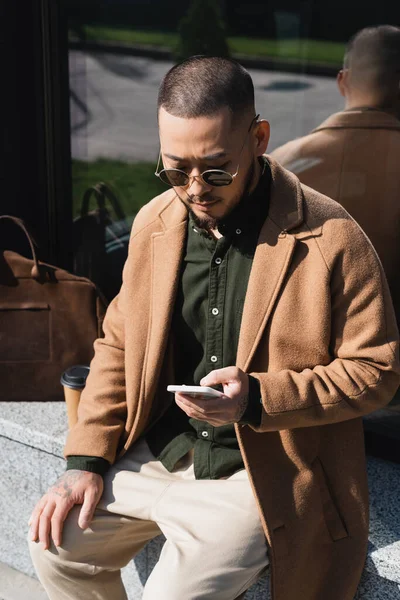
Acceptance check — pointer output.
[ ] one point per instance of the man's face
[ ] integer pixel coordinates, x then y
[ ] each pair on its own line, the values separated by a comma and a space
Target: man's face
196, 145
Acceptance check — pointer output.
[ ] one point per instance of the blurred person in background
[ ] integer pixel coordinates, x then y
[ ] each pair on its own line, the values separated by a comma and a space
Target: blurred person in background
353, 156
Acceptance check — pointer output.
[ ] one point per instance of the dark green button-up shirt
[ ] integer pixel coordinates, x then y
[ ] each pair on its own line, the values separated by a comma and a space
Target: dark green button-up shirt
206, 324
205, 328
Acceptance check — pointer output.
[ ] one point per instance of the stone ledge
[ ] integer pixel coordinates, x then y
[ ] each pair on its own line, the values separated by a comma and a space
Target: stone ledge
40, 425
14, 585
33, 460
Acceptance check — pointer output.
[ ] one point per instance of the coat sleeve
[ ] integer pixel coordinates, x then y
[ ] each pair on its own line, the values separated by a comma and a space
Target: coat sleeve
364, 371
102, 409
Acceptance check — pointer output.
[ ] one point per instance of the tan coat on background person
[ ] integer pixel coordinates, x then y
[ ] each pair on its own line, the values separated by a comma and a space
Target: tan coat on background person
353, 157
318, 331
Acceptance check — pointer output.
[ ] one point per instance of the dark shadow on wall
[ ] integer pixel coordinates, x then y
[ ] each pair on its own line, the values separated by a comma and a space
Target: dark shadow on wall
79, 106
286, 86
123, 66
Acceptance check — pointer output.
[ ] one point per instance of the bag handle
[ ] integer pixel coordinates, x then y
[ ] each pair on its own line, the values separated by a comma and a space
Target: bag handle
35, 273
86, 199
101, 191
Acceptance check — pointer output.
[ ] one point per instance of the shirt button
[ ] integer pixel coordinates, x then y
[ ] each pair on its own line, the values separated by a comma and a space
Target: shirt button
215, 311
218, 261
214, 359
238, 231
204, 434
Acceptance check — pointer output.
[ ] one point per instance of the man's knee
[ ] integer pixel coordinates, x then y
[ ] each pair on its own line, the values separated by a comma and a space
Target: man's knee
71, 548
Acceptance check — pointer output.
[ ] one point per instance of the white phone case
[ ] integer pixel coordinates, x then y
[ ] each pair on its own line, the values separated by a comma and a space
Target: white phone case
195, 390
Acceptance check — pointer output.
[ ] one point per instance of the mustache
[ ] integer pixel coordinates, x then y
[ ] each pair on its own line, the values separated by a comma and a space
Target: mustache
200, 200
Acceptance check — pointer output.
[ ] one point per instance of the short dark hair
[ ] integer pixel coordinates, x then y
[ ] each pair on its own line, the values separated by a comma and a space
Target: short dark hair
202, 85
373, 58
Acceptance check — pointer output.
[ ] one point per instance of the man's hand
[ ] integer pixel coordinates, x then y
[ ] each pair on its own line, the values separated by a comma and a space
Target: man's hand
49, 514
219, 411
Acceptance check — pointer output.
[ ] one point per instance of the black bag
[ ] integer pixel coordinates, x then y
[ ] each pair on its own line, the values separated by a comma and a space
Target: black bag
101, 243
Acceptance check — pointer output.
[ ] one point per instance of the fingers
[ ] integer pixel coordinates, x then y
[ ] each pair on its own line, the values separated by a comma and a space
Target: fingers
57, 522
88, 507
206, 406
34, 519
44, 525
221, 415
49, 514
48, 517
38, 509
221, 376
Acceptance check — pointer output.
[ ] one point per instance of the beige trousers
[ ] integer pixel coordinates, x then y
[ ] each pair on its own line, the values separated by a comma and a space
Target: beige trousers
215, 546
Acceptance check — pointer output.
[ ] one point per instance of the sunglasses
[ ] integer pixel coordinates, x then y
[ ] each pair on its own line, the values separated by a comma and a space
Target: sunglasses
213, 177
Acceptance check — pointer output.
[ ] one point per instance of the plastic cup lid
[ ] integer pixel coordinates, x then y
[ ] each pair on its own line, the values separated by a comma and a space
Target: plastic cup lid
75, 377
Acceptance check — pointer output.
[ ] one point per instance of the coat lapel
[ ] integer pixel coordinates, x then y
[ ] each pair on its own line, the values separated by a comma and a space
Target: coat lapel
271, 261
167, 251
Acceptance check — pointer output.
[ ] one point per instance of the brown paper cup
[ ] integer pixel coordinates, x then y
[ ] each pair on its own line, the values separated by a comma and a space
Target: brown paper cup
72, 398
73, 380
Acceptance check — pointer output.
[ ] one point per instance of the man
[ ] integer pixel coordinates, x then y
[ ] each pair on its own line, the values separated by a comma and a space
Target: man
353, 155
238, 278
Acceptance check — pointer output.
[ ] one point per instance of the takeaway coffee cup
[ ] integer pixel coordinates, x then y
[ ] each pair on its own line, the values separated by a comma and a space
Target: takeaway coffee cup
74, 380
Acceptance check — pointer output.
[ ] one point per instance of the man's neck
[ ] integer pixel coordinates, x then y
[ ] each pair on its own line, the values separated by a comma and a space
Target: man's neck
256, 177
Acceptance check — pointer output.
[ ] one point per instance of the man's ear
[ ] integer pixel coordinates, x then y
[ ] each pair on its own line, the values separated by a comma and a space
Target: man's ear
262, 134
341, 80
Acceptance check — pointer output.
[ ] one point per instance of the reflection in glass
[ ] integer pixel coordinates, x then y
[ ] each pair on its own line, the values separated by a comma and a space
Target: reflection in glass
119, 52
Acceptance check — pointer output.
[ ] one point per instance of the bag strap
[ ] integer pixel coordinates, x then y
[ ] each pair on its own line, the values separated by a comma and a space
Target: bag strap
101, 191
92, 190
35, 273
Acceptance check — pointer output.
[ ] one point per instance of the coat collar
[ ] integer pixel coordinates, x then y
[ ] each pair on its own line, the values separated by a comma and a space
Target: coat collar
173, 212
360, 119
286, 204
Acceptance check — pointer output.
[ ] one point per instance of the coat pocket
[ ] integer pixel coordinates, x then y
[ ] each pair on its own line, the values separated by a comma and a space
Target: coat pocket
334, 522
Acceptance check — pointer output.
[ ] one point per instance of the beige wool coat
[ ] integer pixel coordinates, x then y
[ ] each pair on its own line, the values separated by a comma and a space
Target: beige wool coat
353, 157
318, 331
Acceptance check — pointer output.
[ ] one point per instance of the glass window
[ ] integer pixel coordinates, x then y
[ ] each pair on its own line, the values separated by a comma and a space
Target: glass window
119, 51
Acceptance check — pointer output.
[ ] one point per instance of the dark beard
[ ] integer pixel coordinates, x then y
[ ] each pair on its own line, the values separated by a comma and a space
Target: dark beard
210, 223
205, 222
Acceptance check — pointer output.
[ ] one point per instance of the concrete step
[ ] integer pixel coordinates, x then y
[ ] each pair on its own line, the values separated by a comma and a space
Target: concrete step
15, 585
32, 436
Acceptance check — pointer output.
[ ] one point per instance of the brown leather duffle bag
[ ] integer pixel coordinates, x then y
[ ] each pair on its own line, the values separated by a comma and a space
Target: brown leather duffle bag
49, 320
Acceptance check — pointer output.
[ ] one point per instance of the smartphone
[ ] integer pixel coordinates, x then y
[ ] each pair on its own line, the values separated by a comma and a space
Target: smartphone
197, 391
